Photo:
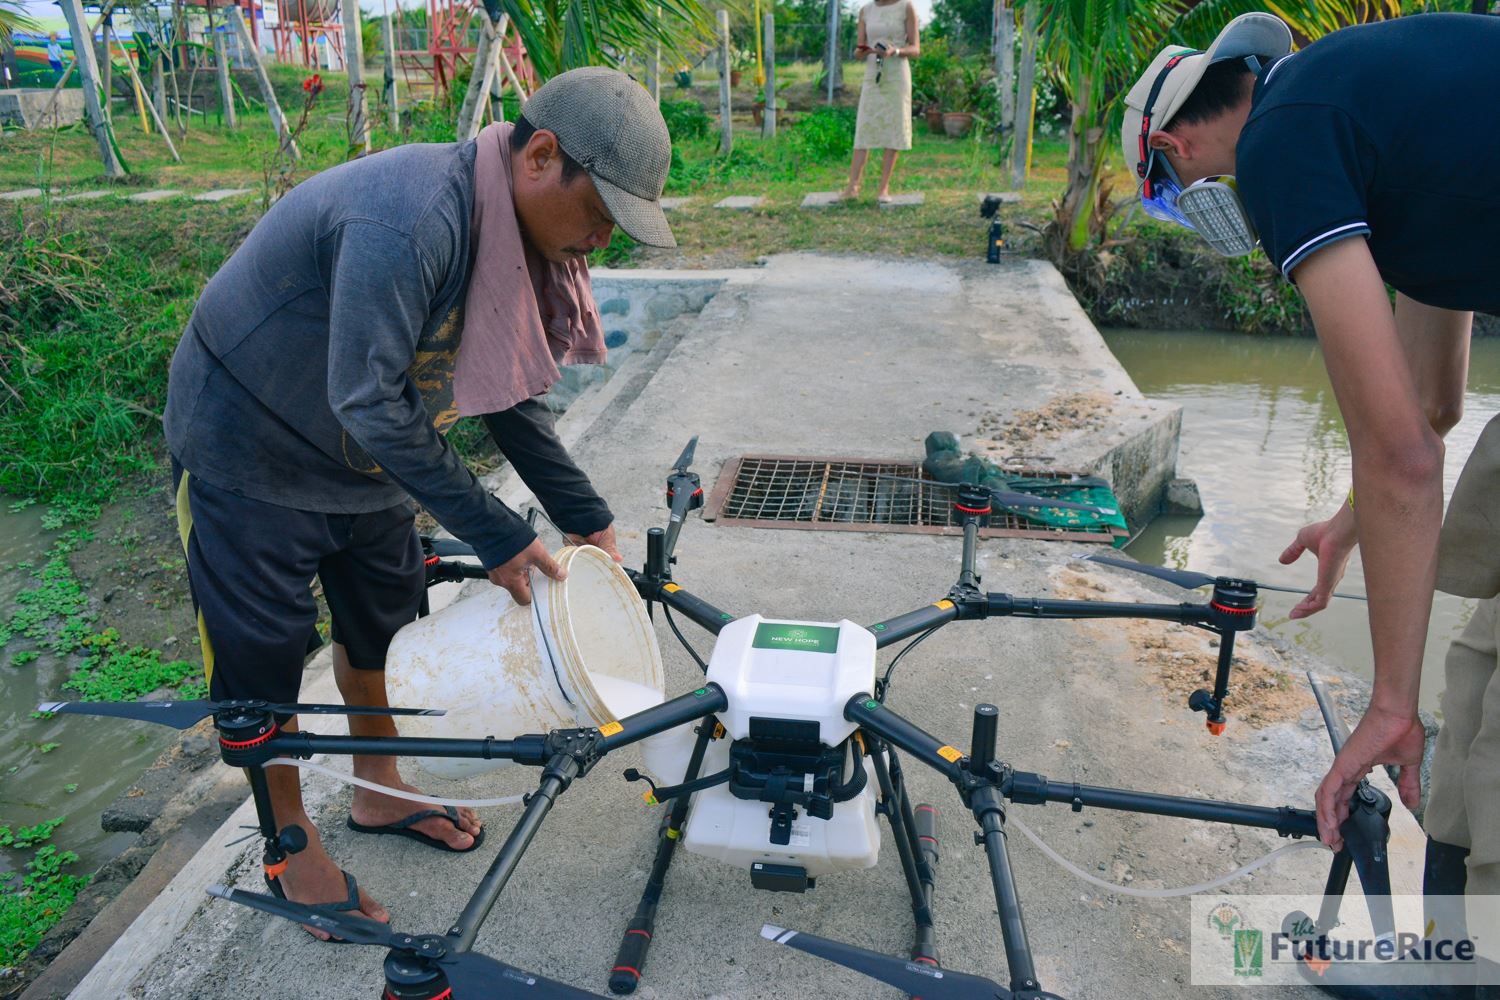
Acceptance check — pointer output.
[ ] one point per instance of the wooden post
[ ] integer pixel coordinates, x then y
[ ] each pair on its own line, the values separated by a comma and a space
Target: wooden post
726, 126
497, 81
88, 75
481, 77
354, 65
1020, 151
832, 65
653, 68
159, 80
1003, 44
263, 80
768, 117
161, 121
388, 39
221, 59
107, 70
508, 69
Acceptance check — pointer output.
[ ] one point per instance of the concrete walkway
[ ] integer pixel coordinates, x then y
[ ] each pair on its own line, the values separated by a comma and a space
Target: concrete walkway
852, 357
216, 195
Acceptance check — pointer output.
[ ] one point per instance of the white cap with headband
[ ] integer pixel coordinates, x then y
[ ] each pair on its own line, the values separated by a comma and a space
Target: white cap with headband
1158, 95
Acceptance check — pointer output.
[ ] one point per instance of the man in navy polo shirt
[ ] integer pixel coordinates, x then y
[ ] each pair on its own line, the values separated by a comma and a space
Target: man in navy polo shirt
1368, 159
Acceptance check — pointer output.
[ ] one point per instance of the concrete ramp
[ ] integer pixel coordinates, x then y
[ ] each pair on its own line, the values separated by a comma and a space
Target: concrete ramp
856, 357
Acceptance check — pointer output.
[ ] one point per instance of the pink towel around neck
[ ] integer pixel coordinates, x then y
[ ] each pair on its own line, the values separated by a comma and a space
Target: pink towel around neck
523, 314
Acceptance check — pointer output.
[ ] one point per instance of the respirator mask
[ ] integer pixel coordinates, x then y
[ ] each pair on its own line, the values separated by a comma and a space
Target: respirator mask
1210, 207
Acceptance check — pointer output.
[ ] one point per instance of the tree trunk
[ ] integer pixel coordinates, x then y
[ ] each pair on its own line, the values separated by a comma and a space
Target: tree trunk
358, 111
726, 126
768, 122
1003, 46
388, 92
1085, 139
221, 65
1020, 152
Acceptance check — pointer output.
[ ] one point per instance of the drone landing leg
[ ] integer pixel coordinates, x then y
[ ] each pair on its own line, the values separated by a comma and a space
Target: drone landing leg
630, 960
1333, 892
251, 754
914, 862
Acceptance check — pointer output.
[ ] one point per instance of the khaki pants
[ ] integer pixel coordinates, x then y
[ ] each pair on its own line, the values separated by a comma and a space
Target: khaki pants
1464, 806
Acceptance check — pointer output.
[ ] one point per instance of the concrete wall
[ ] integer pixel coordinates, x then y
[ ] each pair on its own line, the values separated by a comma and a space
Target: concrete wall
29, 107
634, 307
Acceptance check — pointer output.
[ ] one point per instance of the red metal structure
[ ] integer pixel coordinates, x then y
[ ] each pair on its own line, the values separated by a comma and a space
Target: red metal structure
300, 25
430, 55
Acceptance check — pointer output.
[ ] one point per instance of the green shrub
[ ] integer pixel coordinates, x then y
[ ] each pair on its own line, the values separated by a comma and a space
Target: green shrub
686, 120
823, 135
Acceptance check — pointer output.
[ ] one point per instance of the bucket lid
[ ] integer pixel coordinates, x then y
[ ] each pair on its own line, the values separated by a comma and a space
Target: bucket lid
595, 629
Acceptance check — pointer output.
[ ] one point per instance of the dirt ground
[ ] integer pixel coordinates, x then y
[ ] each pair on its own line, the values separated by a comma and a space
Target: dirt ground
1182, 659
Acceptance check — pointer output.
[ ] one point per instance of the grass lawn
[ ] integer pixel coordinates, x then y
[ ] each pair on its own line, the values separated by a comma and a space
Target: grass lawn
950, 172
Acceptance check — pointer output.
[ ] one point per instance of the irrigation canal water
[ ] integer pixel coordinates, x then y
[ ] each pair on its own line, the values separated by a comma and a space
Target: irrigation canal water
1261, 434
85, 771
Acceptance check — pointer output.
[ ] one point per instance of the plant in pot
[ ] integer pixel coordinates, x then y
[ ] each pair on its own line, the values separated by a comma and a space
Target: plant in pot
758, 109
927, 73
739, 61
960, 91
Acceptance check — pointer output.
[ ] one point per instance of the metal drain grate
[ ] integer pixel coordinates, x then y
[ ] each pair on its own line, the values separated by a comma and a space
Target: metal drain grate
853, 494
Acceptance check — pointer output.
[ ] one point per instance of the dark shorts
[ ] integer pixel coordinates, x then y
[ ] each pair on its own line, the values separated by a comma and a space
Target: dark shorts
251, 566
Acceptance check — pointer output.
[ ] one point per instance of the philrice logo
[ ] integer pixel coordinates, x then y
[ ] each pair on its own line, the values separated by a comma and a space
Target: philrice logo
1225, 920
1249, 953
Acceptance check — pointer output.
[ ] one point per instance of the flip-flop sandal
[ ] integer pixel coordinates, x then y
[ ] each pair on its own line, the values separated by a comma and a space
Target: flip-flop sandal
349, 905
403, 828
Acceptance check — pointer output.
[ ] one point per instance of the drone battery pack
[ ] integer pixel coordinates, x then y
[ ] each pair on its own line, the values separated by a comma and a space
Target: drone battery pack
779, 878
787, 683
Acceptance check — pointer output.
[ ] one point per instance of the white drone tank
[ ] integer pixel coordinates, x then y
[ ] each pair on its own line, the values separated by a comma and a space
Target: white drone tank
582, 654
781, 670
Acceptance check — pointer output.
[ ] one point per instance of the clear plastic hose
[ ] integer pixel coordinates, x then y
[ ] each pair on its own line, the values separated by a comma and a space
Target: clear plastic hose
399, 793
1265, 859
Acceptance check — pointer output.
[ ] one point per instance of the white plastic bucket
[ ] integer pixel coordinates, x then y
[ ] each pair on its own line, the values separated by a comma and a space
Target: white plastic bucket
582, 654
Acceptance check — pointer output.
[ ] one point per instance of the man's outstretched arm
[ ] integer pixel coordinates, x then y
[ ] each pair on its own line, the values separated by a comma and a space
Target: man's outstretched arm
1436, 345
1398, 489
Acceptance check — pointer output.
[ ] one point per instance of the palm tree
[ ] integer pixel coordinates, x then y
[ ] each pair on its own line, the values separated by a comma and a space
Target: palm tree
1095, 49
563, 34
13, 18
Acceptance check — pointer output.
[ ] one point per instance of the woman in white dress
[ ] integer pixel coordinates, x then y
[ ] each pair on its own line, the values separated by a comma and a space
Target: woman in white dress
887, 40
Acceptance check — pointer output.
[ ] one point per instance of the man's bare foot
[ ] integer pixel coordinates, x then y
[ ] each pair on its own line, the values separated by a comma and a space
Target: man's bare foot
849, 193
312, 877
374, 809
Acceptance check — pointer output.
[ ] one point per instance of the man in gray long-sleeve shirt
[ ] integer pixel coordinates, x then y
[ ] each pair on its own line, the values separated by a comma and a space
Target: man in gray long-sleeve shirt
309, 396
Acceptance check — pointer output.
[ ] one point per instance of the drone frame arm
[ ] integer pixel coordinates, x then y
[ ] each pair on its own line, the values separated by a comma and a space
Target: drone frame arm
985, 784
692, 607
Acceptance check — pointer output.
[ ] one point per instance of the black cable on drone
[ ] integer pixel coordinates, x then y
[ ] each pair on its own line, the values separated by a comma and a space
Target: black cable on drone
685, 644
884, 683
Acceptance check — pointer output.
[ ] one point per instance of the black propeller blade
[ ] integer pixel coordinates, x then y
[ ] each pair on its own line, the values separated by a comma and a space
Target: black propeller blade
447, 547
1012, 499
686, 458
471, 975
186, 714
915, 978
1190, 580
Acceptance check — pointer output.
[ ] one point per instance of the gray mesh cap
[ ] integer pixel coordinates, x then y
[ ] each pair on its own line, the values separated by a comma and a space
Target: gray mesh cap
609, 124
